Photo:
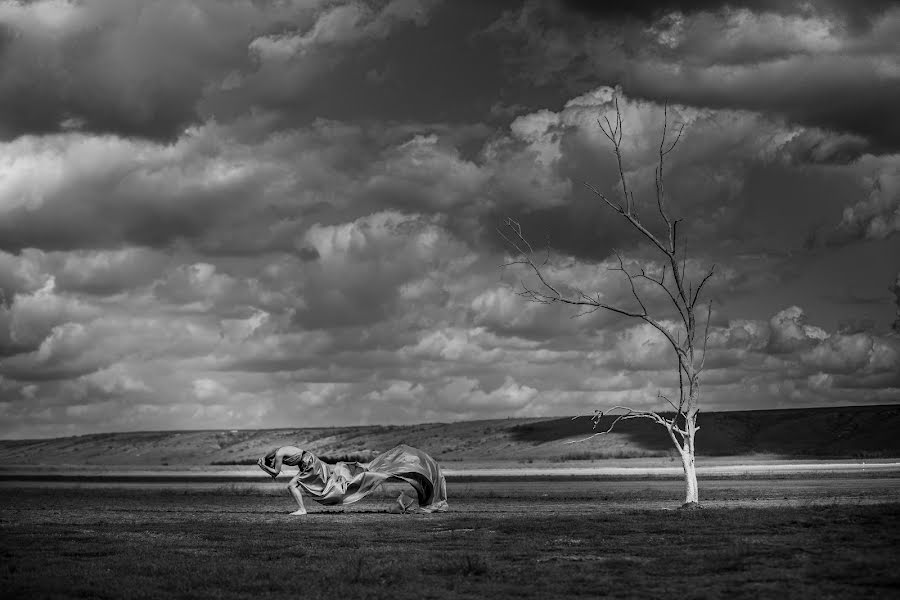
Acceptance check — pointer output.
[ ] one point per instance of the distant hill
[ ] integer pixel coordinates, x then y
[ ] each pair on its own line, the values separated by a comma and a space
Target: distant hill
844, 432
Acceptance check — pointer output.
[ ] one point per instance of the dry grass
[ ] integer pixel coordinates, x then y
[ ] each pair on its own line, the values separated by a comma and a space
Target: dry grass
117, 543
610, 453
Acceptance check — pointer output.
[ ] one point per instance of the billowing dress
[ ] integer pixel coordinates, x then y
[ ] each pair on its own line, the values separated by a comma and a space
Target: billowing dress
348, 482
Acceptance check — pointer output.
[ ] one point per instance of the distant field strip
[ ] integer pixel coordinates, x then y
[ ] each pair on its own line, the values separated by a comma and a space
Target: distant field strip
506, 494
594, 473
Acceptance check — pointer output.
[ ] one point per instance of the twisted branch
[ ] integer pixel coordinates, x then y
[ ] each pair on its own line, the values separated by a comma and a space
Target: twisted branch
550, 294
631, 413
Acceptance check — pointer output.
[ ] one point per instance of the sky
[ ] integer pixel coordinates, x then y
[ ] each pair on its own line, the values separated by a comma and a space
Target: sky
247, 214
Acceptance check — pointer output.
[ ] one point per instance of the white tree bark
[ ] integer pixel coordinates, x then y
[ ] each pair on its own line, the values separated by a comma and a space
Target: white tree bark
691, 491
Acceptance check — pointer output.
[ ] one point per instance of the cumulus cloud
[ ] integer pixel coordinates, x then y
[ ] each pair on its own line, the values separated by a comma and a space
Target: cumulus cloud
878, 215
363, 265
252, 214
119, 67
71, 191
342, 25
802, 352
643, 347
73, 348
426, 170
296, 58
755, 56
200, 287
31, 317
115, 66
789, 331
730, 171
854, 11
459, 396
857, 354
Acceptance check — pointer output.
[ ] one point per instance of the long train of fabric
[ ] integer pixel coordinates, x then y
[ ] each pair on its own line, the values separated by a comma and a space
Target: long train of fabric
348, 482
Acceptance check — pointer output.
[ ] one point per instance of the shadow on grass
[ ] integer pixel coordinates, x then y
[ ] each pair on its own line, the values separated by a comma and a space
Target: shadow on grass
646, 435
846, 432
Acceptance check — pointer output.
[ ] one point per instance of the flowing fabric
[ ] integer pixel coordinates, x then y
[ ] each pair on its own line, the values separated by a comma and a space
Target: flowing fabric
348, 482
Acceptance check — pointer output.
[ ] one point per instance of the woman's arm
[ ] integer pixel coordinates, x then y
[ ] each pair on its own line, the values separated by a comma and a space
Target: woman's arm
272, 472
278, 458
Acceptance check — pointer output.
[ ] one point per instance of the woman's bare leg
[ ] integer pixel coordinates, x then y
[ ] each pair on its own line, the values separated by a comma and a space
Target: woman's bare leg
295, 492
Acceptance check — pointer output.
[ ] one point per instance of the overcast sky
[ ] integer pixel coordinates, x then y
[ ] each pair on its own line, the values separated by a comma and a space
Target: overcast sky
245, 214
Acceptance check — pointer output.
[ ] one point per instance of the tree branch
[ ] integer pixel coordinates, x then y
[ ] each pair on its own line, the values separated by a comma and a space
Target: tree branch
661, 282
703, 281
553, 295
634, 293
630, 413
631, 218
705, 336
520, 244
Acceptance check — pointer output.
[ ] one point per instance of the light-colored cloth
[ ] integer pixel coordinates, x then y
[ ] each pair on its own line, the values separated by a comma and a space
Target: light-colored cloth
348, 482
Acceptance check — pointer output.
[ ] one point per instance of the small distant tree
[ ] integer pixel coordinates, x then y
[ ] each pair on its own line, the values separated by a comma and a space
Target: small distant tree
688, 340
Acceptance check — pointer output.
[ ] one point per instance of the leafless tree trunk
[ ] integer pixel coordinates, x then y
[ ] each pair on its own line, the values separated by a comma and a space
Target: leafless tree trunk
688, 340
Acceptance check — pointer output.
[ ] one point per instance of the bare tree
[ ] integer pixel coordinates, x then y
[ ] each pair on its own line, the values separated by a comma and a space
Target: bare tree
688, 340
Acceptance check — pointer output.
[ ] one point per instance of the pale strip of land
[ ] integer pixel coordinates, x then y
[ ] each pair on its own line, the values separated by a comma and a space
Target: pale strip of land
721, 470
517, 471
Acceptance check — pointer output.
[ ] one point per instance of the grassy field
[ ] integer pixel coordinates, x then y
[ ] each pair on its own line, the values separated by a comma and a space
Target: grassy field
622, 542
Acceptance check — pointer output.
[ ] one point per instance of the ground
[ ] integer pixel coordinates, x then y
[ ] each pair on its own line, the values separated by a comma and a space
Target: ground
825, 537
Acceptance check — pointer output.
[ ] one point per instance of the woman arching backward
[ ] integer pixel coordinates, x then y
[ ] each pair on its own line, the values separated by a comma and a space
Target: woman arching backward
347, 482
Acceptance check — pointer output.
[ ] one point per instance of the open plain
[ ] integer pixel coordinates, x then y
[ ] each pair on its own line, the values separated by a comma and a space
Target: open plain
797, 504
831, 535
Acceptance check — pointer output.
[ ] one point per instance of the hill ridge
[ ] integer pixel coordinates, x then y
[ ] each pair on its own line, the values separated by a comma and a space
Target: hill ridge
826, 432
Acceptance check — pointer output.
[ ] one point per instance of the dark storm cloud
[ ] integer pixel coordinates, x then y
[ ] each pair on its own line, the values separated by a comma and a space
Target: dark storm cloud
830, 96
94, 272
75, 191
732, 170
151, 68
875, 215
588, 229
292, 214
133, 68
857, 13
809, 64
366, 73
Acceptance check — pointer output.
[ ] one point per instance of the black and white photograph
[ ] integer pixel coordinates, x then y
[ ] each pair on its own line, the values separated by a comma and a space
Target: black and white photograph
438, 299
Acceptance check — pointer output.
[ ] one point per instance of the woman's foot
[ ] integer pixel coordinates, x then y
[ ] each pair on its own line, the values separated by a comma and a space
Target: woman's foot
405, 502
299, 512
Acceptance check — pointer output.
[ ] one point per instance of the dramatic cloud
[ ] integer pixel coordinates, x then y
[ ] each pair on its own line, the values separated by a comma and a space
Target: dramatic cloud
260, 214
115, 66
782, 58
877, 216
653, 9
145, 68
